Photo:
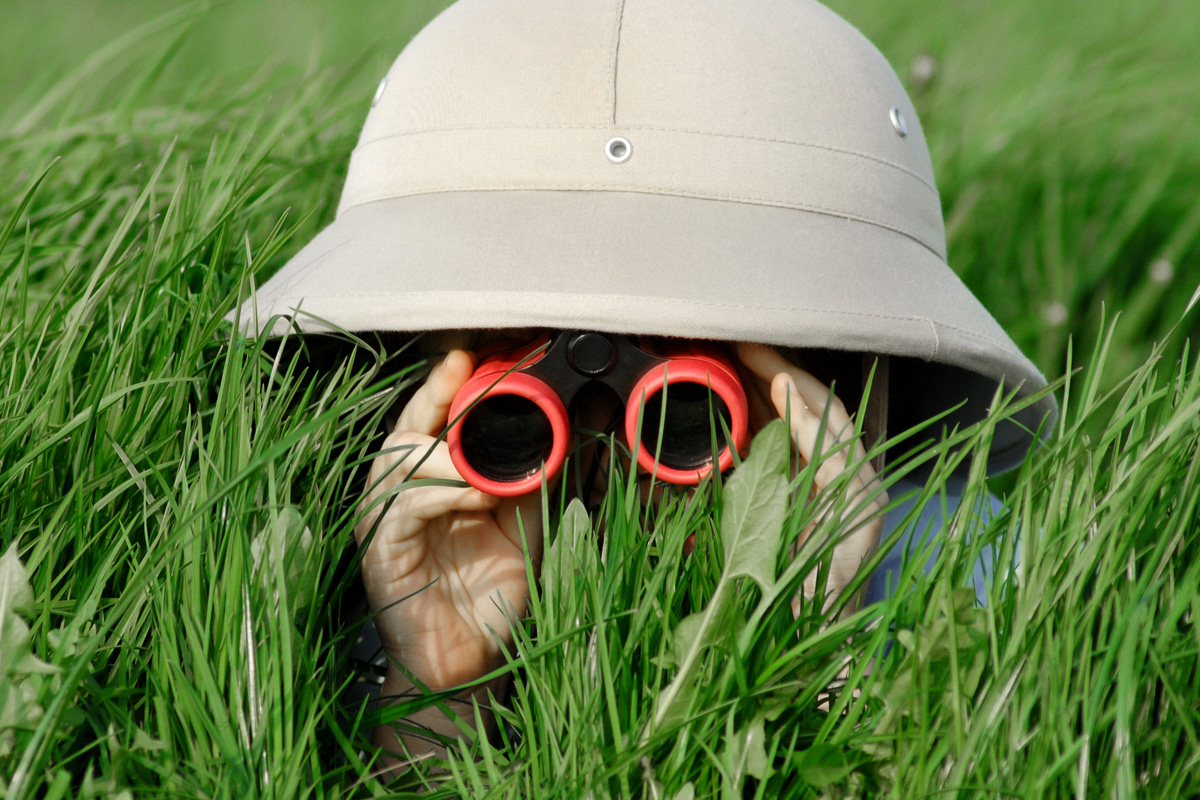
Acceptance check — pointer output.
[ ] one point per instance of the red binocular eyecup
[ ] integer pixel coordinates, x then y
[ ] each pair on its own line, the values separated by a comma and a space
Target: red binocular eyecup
510, 425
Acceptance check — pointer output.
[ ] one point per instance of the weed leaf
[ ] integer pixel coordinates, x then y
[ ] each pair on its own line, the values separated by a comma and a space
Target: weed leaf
571, 561
687, 636
754, 508
745, 756
573, 544
822, 765
15, 592
751, 525
686, 792
280, 556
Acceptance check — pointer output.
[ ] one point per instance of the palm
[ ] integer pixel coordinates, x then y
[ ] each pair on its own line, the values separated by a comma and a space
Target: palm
459, 580
445, 564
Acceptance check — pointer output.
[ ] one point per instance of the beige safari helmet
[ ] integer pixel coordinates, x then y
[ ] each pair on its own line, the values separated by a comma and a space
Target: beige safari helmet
747, 170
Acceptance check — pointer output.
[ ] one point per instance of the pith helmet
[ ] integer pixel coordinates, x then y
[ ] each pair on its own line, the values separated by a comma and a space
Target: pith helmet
692, 168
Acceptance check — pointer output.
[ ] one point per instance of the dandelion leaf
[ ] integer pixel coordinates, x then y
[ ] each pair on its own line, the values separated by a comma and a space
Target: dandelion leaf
822, 765
745, 756
573, 548
956, 640
755, 504
687, 634
16, 655
686, 792
144, 742
280, 552
570, 561
15, 591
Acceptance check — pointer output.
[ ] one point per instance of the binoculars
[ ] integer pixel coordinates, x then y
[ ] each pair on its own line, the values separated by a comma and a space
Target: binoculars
510, 426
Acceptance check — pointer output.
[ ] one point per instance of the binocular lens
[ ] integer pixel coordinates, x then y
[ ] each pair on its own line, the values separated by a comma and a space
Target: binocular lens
688, 424
506, 437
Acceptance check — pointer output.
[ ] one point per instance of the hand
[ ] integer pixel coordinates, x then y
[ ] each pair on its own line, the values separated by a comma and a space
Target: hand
445, 569
775, 387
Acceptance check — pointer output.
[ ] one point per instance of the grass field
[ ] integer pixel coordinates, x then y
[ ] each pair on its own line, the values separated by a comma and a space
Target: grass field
167, 629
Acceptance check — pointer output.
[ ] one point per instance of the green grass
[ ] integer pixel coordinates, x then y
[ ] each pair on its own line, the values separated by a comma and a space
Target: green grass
157, 479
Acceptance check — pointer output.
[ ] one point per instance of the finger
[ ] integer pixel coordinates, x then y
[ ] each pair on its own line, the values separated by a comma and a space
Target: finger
519, 515
865, 498
763, 361
404, 452
815, 414
429, 407
808, 427
398, 515
766, 363
760, 411
757, 390
408, 457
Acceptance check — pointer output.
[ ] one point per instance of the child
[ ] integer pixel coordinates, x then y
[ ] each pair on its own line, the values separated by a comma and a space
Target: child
747, 172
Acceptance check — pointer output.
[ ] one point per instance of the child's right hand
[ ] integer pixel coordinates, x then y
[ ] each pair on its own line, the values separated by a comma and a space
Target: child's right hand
445, 569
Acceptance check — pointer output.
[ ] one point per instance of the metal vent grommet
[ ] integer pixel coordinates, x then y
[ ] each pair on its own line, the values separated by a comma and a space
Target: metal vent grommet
618, 149
898, 121
379, 91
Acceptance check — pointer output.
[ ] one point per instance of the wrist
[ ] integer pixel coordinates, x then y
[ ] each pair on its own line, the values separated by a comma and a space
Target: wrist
419, 734
397, 685
439, 661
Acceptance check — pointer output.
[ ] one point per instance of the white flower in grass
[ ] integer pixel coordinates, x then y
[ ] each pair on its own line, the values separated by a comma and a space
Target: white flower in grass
21, 672
280, 554
1055, 313
1161, 271
924, 68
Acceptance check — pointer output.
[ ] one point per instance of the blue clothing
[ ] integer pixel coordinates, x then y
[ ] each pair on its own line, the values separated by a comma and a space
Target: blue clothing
925, 531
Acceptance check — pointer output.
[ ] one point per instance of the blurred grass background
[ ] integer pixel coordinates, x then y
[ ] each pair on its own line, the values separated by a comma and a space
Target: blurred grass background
237, 38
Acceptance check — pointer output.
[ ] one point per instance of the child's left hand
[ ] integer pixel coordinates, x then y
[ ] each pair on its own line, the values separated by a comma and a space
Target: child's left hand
777, 388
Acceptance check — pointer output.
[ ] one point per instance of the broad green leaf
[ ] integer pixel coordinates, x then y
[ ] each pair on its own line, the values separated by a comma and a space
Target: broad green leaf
822, 765
745, 756
18, 706
751, 526
715, 626
949, 652
576, 526
281, 552
686, 792
144, 742
755, 504
15, 591
16, 656
573, 547
688, 635
570, 560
